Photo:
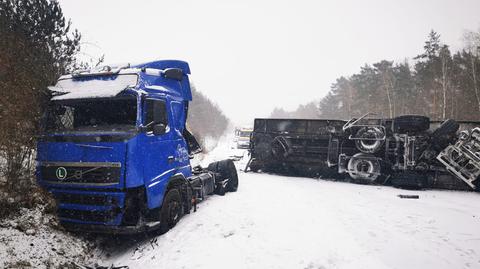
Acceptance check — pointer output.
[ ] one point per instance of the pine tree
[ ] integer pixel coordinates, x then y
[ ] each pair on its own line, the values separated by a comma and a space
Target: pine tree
439, 86
37, 45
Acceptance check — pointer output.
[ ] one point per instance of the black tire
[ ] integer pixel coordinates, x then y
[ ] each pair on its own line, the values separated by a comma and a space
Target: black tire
364, 142
411, 123
225, 170
447, 128
171, 210
442, 136
220, 190
366, 163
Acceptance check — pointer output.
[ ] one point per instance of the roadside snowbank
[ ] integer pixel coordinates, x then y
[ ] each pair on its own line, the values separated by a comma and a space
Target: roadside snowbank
33, 239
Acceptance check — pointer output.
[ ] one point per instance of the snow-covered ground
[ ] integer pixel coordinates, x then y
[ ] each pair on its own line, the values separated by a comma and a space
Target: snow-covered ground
32, 239
287, 222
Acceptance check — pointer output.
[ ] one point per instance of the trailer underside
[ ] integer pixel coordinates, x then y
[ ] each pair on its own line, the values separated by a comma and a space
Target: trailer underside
407, 151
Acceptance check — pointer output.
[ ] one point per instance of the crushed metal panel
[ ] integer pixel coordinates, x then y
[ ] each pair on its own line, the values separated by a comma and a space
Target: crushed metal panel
463, 158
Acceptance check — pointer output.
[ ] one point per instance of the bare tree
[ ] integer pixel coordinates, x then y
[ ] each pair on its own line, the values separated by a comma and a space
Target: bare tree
444, 59
472, 45
385, 70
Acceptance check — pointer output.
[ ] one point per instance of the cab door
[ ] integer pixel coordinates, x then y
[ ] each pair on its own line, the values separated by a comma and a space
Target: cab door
158, 149
182, 161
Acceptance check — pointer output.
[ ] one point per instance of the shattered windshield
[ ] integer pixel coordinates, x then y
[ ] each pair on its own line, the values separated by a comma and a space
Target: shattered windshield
113, 114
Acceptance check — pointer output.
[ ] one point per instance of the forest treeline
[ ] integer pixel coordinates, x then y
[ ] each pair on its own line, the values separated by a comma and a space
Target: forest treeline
438, 83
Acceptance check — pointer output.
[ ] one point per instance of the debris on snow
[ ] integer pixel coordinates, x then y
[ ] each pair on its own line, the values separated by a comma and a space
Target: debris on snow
408, 196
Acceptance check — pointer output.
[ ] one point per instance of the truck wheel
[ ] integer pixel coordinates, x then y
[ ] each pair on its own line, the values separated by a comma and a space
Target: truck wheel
225, 170
442, 136
231, 173
171, 211
411, 123
363, 168
369, 139
447, 128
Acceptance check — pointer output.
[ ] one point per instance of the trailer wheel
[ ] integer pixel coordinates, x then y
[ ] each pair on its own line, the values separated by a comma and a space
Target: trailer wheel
171, 211
411, 123
225, 170
369, 139
363, 168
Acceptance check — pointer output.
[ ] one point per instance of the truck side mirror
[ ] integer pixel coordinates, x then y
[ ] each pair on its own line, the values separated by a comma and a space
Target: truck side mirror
159, 129
173, 73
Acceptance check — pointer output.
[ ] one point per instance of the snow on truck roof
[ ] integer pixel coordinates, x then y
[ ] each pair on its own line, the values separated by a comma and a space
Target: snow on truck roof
109, 81
68, 88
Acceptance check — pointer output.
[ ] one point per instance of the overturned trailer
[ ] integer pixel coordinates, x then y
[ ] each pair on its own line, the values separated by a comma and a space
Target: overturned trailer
407, 151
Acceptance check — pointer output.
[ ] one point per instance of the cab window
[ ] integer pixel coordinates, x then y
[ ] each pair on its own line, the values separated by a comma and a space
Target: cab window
156, 112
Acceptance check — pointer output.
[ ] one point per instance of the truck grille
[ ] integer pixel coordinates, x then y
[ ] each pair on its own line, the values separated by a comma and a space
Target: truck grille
70, 198
91, 216
88, 206
83, 173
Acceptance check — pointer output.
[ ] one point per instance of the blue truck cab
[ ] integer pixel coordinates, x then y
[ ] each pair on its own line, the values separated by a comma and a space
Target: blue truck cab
115, 152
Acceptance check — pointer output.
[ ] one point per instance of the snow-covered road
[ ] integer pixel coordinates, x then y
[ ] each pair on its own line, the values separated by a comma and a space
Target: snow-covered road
287, 222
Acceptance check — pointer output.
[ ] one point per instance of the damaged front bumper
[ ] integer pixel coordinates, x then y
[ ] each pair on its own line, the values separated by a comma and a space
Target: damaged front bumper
98, 228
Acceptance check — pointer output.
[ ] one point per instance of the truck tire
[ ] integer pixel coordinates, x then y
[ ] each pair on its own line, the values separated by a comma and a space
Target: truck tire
365, 142
225, 170
442, 136
171, 210
363, 168
411, 123
447, 128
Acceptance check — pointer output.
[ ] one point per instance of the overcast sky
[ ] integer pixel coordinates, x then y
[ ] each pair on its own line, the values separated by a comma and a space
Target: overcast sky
250, 56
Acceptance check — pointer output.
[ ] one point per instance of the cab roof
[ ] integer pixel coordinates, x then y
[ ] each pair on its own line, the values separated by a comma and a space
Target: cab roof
110, 81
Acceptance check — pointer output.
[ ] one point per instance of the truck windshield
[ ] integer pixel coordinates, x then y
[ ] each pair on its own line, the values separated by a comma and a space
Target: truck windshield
113, 114
244, 134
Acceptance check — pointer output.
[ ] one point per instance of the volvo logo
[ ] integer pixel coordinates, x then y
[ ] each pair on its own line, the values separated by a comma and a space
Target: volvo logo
78, 174
61, 173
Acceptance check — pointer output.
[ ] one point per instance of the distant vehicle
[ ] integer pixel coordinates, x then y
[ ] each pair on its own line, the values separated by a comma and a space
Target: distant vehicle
242, 138
116, 151
407, 151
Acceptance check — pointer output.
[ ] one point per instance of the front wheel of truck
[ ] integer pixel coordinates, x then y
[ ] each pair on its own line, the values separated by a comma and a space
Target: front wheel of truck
171, 211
